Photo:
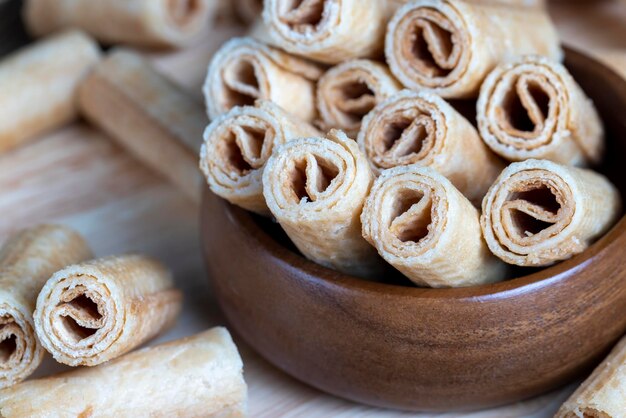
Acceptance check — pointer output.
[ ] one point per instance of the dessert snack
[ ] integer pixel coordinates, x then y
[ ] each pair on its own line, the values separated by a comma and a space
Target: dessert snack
38, 85
153, 23
350, 90
421, 128
603, 394
244, 70
193, 377
423, 226
237, 146
92, 312
316, 187
150, 116
329, 31
533, 108
27, 260
448, 47
539, 212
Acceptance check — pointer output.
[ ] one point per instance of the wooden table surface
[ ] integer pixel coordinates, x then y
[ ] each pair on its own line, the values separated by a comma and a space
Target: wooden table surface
77, 176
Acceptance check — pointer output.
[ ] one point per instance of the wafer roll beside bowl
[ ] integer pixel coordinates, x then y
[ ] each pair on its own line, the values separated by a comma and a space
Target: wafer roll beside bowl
328, 31
156, 120
603, 394
144, 23
533, 108
448, 47
92, 312
423, 226
350, 90
421, 128
27, 260
238, 144
539, 212
244, 70
194, 377
316, 188
39, 83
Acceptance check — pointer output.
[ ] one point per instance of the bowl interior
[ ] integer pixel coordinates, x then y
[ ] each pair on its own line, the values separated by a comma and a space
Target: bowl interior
608, 92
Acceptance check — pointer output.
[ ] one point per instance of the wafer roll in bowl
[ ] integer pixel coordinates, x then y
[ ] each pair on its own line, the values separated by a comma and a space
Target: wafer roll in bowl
238, 144
350, 90
533, 108
423, 226
422, 128
329, 31
448, 47
539, 212
244, 70
316, 188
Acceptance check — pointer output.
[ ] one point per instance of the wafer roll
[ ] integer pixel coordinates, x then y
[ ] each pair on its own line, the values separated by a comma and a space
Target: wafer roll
244, 70
237, 146
248, 10
157, 121
194, 377
533, 108
349, 91
421, 128
38, 85
423, 226
539, 212
448, 47
329, 31
92, 312
316, 187
27, 260
153, 23
603, 394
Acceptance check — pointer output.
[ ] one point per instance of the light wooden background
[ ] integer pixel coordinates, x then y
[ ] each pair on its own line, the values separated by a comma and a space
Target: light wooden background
78, 177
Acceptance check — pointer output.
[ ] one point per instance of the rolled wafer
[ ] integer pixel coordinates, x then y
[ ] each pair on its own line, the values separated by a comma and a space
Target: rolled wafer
237, 146
27, 260
244, 70
152, 23
194, 377
248, 10
329, 31
423, 226
421, 128
533, 108
95, 311
316, 187
603, 394
349, 91
539, 212
448, 47
39, 83
157, 121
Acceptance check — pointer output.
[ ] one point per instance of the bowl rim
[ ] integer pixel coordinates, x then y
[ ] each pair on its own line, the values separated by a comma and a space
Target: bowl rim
324, 276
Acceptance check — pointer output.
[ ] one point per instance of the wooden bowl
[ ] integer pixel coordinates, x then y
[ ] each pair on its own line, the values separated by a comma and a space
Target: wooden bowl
399, 346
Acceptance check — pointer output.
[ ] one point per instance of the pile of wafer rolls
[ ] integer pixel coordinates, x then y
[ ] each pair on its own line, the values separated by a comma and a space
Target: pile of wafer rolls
343, 124
57, 298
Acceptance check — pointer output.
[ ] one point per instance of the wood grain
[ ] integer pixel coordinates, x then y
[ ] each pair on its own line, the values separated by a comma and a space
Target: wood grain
76, 176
